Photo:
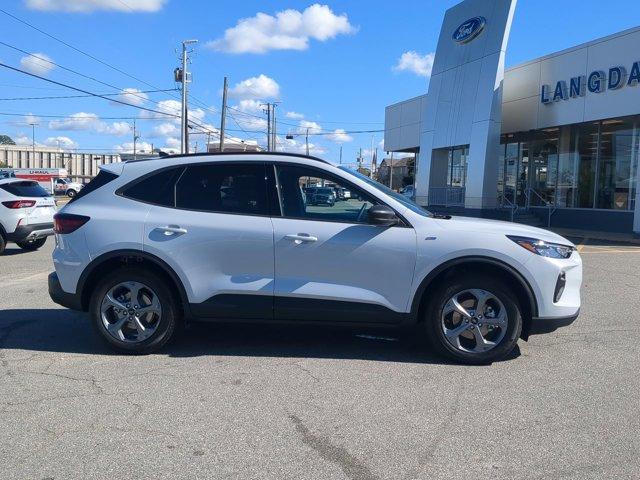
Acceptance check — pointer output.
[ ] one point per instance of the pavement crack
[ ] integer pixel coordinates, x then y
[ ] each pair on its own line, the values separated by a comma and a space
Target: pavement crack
350, 465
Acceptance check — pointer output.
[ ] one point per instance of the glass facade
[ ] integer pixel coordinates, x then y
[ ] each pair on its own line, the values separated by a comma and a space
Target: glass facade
589, 165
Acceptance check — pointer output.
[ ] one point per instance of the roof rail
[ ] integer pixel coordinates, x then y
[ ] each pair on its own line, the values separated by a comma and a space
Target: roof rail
215, 154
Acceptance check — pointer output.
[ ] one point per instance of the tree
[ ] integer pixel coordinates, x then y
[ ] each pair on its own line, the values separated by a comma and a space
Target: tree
6, 140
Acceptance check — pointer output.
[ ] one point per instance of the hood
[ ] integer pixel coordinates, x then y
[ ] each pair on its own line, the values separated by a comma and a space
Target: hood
484, 226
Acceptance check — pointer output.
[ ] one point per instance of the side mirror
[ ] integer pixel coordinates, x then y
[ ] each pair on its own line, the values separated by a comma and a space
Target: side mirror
382, 215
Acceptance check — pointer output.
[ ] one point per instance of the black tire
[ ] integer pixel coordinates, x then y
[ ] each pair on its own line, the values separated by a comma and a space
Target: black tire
440, 297
3, 243
169, 321
31, 245
71, 193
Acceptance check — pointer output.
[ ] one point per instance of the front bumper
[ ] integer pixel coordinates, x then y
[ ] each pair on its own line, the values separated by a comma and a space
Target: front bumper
59, 296
30, 232
540, 325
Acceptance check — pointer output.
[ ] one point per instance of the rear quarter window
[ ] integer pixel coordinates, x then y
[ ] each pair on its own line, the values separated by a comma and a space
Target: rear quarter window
28, 188
98, 181
156, 188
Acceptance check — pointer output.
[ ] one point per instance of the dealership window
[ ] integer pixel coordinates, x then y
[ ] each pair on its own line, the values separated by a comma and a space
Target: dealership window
457, 166
616, 172
589, 165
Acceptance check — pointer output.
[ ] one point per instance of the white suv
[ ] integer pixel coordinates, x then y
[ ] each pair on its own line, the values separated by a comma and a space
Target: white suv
26, 213
230, 237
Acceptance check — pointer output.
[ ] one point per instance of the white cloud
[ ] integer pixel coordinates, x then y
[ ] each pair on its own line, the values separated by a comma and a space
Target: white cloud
85, 6
313, 127
132, 96
83, 121
339, 136
412, 61
62, 142
256, 87
294, 115
22, 140
249, 115
165, 130
30, 118
37, 63
287, 30
174, 108
296, 146
127, 147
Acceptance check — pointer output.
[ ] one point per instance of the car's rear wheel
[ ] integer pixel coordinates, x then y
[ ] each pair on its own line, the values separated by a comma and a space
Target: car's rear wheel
31, 245
473, 319
3, 243
134, 311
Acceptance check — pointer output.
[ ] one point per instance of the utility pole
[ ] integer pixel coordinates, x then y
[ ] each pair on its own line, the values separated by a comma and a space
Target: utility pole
209, 139
33, 141
307, 141
274, 143
223, 114
269, 136
184, 79
340, 154
391, 173
135, 140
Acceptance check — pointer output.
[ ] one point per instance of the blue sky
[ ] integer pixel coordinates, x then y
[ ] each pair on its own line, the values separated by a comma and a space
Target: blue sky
332, 64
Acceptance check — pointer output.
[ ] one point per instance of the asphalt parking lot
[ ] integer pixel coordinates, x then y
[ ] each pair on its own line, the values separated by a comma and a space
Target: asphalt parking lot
272, 402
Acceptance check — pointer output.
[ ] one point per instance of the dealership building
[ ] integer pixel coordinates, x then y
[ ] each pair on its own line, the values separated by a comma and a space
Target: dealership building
555, 138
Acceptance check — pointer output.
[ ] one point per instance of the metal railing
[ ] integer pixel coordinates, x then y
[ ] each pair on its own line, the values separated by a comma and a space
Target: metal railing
545, 203
447, 196
511, 206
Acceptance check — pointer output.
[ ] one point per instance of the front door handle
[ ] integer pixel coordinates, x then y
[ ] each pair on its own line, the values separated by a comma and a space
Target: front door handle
299, 238
173, 229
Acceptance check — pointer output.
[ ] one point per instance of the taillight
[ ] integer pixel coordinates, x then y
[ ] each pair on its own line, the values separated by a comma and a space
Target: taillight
68, 223
19, 204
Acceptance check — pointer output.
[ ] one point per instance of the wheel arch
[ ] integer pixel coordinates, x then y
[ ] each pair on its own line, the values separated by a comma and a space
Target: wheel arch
524, 292
117, 258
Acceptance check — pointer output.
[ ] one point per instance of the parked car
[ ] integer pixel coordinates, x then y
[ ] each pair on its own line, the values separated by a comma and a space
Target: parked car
409, 191
320, 196
64, 186
150, 244
7, 173
26, 214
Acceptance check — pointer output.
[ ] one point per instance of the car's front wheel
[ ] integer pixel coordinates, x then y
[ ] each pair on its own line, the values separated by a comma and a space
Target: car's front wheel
134, 311
474, 319
71, 193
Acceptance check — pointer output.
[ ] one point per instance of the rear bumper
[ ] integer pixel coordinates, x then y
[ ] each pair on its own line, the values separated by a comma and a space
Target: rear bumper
59, 296
540, 325
30, 232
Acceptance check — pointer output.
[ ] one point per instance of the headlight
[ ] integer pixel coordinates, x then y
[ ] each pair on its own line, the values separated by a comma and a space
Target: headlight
540, 247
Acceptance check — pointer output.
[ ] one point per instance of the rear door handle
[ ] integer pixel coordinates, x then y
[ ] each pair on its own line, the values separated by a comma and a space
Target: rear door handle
299, 238
171, 229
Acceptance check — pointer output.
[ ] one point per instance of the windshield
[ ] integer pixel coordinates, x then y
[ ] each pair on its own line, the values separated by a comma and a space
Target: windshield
414, 207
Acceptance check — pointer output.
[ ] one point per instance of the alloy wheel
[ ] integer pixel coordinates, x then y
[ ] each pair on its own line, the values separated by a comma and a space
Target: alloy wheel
130, 312
474, 321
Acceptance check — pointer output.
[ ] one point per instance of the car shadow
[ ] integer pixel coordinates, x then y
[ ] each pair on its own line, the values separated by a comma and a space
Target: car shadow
8, 251
60, 330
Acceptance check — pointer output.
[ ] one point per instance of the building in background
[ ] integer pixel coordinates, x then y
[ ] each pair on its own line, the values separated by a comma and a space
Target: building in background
402, 176
563, 137
79, 165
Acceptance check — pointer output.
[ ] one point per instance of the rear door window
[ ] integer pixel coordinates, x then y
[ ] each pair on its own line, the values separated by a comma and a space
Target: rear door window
27, 188
224, 188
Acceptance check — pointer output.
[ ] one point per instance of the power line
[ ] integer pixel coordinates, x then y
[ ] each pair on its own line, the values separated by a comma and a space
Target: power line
24, 22
55, 97
75, 72
86, 91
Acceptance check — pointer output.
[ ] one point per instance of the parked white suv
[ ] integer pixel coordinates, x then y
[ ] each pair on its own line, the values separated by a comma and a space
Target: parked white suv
150, 243
64, 186
26, 213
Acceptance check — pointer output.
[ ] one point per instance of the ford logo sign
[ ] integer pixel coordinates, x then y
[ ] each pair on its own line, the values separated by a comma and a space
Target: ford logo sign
469, 29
